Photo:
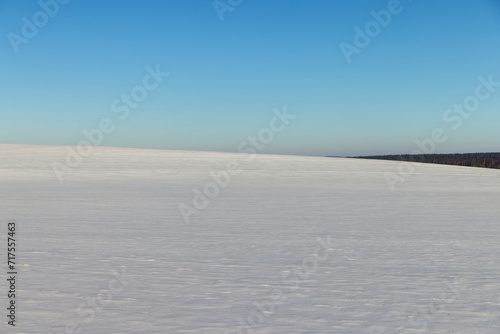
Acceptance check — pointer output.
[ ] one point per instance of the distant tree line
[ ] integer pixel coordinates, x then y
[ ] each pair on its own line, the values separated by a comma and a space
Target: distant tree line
484, 160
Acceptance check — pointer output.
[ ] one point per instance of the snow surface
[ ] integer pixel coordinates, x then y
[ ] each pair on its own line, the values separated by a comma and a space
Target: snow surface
421, 259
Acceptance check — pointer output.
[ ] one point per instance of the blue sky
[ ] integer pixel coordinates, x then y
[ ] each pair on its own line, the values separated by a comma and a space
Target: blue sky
227, 76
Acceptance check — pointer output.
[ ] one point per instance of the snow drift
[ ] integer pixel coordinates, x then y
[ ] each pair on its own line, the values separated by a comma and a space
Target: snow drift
156, 241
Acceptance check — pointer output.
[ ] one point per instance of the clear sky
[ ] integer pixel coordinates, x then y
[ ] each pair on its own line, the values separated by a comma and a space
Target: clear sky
226, 76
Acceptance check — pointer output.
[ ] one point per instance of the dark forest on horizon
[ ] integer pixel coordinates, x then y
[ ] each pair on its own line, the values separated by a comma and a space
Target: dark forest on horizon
483, 160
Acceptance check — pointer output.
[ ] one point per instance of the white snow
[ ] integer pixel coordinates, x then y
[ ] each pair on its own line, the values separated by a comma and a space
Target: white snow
107, 251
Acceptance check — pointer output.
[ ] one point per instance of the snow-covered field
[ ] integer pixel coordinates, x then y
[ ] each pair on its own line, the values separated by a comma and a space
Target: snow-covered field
291, 245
